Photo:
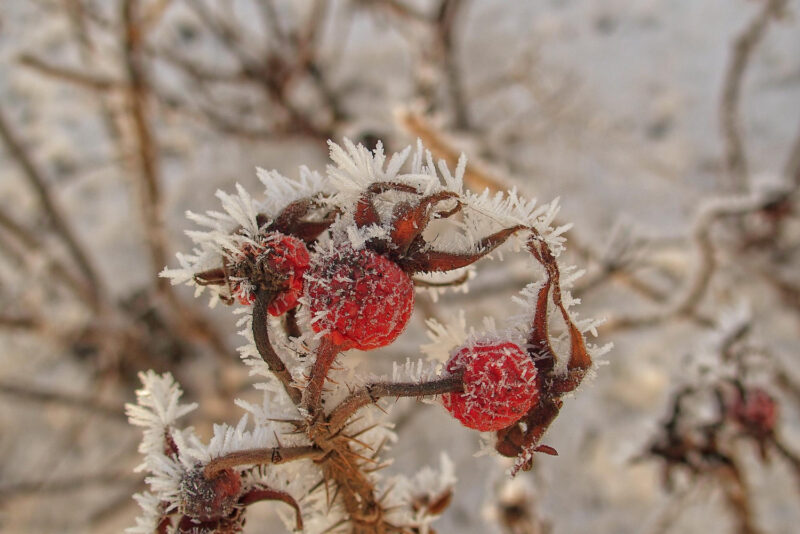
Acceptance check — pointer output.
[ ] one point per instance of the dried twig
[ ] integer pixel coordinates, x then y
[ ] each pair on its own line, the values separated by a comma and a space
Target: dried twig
32, 244
730, 119
697, 285
58, 222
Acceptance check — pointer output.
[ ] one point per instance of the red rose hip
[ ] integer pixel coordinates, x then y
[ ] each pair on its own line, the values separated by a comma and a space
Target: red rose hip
279, 262
359, 298
500, 385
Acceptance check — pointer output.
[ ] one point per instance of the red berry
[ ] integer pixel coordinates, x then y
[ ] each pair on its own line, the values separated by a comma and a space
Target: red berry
362, 299
278, 262
757, 411
500, 385
206, 499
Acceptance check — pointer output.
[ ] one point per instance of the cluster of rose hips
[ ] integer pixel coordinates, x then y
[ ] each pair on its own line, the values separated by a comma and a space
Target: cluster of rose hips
350, 267
363, 298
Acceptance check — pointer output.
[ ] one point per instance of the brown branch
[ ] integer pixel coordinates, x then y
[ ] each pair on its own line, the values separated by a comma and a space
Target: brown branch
730, 113
267, 70
269, 16
277, 455
58, 222
371, 393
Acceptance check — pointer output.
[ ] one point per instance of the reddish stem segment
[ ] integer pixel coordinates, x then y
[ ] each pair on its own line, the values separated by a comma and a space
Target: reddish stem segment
264, 346
277, 455
266, 494
312, 396
371, 393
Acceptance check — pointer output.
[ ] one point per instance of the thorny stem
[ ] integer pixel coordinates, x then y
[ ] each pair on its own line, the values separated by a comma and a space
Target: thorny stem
264, 346
371, 393
276, 455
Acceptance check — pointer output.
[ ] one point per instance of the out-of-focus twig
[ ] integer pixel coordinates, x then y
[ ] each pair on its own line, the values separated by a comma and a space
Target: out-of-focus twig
60, 486
83, 79
32, 244
59, 223
37, 394
447, 27
792, 167
730, 113
697, 285
738, 500
23, 322
151, 202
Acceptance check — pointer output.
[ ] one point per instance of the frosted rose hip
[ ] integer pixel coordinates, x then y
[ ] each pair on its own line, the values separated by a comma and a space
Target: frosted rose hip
362, 299
209, 499
278, 260
500, 385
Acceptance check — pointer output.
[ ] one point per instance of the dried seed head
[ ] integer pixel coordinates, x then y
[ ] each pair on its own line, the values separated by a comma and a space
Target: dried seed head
206, 499
362, 299
500, 385
277, 264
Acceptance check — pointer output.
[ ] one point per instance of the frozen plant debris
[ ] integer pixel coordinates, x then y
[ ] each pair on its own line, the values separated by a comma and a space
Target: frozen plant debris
327, 264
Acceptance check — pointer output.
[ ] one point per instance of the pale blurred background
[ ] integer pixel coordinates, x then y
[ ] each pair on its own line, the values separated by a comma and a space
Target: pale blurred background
116, 116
